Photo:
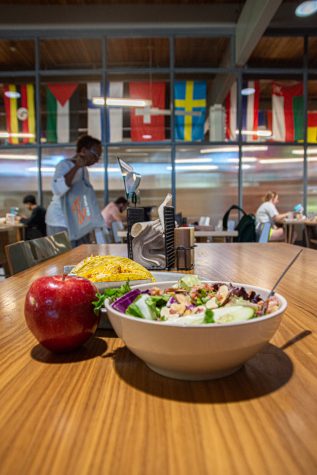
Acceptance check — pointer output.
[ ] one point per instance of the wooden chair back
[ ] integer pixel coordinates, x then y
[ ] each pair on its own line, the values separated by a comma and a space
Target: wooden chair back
19, 256
50, 246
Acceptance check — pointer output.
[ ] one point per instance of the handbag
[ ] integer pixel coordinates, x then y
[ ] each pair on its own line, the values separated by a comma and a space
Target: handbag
81, 209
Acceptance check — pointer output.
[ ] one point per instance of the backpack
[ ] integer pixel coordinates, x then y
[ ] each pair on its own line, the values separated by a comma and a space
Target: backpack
245, 227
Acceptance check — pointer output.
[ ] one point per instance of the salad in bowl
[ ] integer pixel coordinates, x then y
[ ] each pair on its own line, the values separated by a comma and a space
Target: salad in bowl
193, 302
193, 329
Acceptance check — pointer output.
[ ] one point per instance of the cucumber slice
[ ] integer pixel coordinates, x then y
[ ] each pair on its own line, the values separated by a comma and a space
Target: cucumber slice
233, 314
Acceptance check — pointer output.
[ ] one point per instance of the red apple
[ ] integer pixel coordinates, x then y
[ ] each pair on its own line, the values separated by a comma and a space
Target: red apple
59, 311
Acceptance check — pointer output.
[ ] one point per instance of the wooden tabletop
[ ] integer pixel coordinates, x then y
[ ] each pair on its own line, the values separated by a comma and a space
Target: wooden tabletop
100, 410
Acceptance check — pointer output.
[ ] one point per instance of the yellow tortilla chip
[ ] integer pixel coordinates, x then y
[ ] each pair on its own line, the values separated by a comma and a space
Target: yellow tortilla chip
111, 268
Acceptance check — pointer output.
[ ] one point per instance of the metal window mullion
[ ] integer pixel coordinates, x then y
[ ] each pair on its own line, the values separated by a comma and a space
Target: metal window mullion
38, 119
172, 121
239, 113
105, 132
305, 83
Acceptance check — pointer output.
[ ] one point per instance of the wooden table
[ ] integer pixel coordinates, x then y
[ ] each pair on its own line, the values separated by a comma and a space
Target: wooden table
102, 411
292, 229
17, 227
226, 236
209, 234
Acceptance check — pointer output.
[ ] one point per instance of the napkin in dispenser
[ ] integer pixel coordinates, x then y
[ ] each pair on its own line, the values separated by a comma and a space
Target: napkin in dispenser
148, 242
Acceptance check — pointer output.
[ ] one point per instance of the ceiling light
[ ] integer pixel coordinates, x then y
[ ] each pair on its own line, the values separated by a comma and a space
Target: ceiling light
306, 9
244, 167
286, 160
244, 160
43, 169
268, 161
194, 168
147, 137
193, 160
102, 170
235, 148
7, 156
247, 91
258, 133
120, 102
12, 94
7, 135
300, 151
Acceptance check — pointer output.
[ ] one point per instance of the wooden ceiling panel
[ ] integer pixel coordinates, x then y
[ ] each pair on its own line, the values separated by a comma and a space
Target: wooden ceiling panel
278, 52
16, 55
199, 52
70, 53
138, 52
109, 2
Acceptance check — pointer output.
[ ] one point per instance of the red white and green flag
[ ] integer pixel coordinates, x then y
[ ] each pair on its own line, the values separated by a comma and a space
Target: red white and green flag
62, 107
287, 112
19, 107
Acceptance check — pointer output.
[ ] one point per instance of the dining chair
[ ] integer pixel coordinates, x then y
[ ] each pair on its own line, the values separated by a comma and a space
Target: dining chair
263, 232
19, 256
117, 226
50, 246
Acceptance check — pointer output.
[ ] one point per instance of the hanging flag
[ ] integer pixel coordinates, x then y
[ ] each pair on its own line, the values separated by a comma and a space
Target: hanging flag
144, 126
95, 115
312, 127
250, 111
62, 106
115, 114
231, 113
190, 99
20, 113
287, 112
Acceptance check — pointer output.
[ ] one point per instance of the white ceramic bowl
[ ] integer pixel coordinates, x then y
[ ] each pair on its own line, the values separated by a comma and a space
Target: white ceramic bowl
196, 352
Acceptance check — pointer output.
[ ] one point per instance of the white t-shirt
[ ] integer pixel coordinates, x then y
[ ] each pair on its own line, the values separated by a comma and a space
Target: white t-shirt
266, 213
54, 213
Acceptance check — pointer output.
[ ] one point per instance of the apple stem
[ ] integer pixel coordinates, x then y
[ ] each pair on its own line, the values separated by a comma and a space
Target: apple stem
64, 277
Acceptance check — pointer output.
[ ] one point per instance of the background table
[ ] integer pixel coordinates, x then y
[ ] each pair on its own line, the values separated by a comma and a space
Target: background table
209, 234
101, 410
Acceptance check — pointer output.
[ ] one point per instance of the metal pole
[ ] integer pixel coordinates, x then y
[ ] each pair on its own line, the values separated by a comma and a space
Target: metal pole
239, 113
38, 120
305, 81
172, 122
105, 116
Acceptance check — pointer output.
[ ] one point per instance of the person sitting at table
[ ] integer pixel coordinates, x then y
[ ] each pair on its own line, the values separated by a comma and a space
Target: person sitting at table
268, 213
35, 223
114, 211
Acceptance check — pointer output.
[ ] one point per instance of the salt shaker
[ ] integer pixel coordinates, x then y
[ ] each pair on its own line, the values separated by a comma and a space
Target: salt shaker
184, 240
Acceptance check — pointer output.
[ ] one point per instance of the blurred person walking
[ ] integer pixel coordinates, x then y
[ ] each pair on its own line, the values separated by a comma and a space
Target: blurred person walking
74, 206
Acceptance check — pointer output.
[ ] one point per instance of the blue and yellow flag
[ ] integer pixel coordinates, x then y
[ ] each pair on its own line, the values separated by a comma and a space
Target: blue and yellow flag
190, 98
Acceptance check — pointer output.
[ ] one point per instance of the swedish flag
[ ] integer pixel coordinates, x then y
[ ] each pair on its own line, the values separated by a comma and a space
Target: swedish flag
190, 98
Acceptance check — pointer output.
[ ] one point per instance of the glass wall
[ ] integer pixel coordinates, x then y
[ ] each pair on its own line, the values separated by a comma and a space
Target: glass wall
206, 181
205, 127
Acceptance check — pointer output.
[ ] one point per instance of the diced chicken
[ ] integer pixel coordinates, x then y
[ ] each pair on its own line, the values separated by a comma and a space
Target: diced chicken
212, 303
222, 293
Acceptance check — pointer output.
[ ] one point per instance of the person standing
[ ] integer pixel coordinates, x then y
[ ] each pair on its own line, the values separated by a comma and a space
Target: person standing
268, 213
114, 211
74, 205
35, 223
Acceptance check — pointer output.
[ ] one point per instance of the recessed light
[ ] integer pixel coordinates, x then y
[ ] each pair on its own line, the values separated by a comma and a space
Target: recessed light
306, 9
12, 94
247, 91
